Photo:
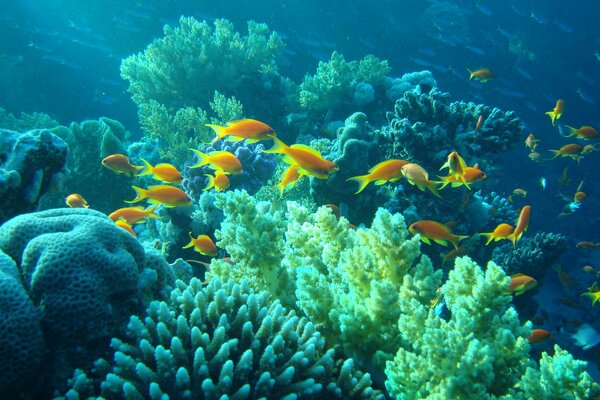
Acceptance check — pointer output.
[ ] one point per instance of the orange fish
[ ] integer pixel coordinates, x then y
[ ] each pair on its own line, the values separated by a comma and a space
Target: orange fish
390, 170
289, 178
76, 201
220, 181
479, 123
480, 74
456, 167
134, 215
579, 197
502, 231
309, 161
558, 110
203, 245
539, 335
585, 132
588, 245
242, 129
593, 293
470, 175
163, 172
520, 283
572, 150
531, 142
121, 223
335, 210
417, 176
564, 179
435, 231
564, 277
218, 160
521, 226
119, 164
452, 254
169, 196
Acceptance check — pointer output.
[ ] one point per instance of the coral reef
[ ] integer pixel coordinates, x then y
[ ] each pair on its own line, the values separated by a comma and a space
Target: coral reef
222, 341
532, 256
21, 340
31, 164
408, 82
25, 121
480, 351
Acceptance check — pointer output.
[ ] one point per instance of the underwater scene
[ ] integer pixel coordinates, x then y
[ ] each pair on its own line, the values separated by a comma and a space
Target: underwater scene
299, 199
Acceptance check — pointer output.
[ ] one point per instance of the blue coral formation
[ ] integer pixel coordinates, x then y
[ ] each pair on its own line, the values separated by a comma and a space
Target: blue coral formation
222, 341
31, 163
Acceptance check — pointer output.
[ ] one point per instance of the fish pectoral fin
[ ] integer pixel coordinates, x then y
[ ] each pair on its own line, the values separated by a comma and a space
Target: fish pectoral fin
379, 182
441, 241
234, 138
426, 240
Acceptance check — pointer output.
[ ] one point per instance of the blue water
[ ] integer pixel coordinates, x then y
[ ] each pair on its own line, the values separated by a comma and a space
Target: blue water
63, 57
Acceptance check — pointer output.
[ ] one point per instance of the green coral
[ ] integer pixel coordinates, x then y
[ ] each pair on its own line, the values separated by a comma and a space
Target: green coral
480, 352
335, 81
25, 121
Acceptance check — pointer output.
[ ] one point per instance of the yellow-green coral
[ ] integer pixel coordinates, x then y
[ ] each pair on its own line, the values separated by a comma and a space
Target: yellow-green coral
479, 352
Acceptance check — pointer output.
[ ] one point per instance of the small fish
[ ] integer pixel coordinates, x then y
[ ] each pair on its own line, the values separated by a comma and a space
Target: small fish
521, 225
162, 172
218, 160
502, 231
439, 233
539, 335
203, 244
535, 156
586, 337
385, 171
479, 123
121, 223
169, 196
452, 254
564, 277
250, 129
579, 197
76, 201
520, 192
456, 167
588, 148
289, 178
309, 161
480, 74
119, 164
593, 293
531, 142
520, 283
417, 176
543, 183
470, 175
134, 215
588, 245
585, 132
220, 181
564, 178
557, 111
572, 150
589, 269
335, 210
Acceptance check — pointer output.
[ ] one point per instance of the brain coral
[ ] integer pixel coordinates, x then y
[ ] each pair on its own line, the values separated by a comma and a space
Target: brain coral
22, 345
85, 273
222, 342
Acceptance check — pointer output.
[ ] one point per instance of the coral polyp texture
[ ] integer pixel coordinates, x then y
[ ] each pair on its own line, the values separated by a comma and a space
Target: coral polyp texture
222, 341
480, 351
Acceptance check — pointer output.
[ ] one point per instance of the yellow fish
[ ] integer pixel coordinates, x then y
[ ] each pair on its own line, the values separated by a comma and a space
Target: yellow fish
417, 176
289, 178
220, 181
242, 129
134, 215
435, 231
502, 231
163, 172
520, 283
456, 167
203, 244
169, 196
218, 160
390, 170
309, 161
76, 201
557, 111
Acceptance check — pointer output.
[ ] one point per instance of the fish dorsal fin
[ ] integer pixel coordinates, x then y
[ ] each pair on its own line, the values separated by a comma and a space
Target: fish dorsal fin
476, 166
306, 148
579, 186
160, 187
219, 153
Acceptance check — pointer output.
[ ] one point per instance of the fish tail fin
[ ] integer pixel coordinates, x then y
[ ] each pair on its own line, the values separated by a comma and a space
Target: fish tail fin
556, 154
220, 132
489, 236
445, 181
363, 181
150, 212
470, 73
203, 158
146, 169
278, 146
211, 182
432, 186
140, 194
513, 239
191, 243
552, 116
572, 131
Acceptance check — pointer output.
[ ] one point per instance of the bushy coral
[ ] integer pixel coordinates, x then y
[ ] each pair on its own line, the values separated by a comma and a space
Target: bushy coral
26, 121
31, 163
222, 341
532, 255
480, 351
22, 346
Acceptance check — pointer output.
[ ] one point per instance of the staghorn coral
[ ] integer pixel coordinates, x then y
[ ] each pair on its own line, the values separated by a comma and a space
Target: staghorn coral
480, 351
222, 341
31, 164
532, 255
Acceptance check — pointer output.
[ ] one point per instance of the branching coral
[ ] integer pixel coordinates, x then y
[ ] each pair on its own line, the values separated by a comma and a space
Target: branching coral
480, 351
223, 341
